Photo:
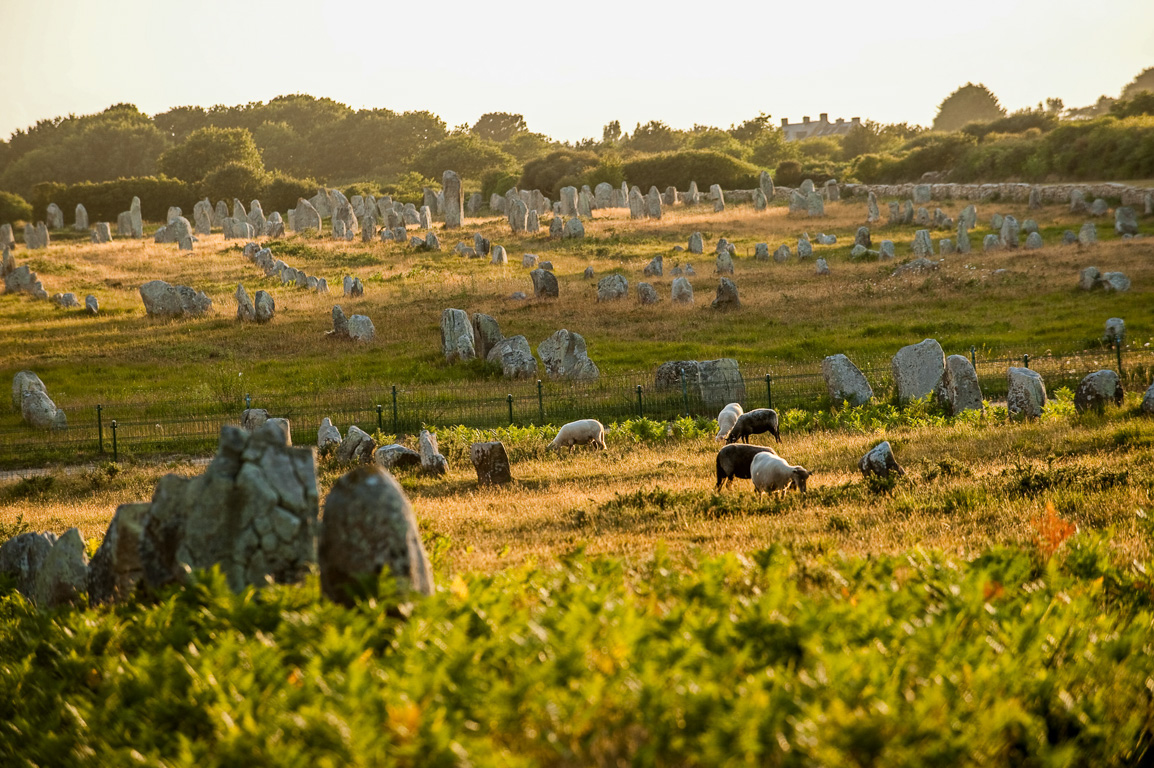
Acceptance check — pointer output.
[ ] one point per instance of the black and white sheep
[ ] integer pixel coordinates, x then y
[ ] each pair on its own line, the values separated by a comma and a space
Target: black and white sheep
734, 460
770, 472
753, 423
727, 418
583, 432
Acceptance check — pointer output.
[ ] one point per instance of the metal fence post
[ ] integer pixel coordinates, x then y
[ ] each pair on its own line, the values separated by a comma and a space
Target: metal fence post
1118, 353
100, 426
395, 431
540, 404
1026, 360
769, 389
640, 410
380, 419
684, 393
509, 399
115, 451
973, 358
247, 401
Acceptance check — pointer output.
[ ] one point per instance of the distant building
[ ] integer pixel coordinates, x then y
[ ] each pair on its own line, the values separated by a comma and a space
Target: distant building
808, 129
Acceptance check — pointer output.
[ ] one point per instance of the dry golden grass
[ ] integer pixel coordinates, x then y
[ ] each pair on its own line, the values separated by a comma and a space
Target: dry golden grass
968, 487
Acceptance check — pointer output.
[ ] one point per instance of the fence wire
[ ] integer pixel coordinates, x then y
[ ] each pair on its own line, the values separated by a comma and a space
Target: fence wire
187, 425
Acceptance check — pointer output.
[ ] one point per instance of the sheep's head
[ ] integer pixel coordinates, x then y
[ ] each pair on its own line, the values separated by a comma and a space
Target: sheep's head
800, 475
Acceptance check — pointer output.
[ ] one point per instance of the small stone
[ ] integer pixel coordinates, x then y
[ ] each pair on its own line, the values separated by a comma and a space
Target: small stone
646, 294
491, 462
726, 295
612, 287
1097, 390
682, 291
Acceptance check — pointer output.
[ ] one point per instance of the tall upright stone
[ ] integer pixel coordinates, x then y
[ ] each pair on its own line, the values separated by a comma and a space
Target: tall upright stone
569, 201
454, 197
81, 221
765, 184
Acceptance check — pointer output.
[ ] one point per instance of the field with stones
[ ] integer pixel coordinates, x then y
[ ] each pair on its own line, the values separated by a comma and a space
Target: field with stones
988, 602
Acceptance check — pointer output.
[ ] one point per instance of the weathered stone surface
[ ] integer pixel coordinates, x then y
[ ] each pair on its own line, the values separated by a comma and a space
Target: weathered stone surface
307, 217
1026, 394
432, 462
515, 358
991, 242
845, 381
245, 311
959, 388
115, 569
873, 214
164, 300
724, 263
565, 356
91, 305
804, 249
696, 244
1114, 281
457, 340
1099, 207
574, 229
1010, 232
1125, 221
655, 268
24, 383
714, 383
360, 328
544, 284
653, 204
612, 287
328, 437
24, 280
491, 462
357, 447
718, 198
783, 254
588, 274
682, 291
646, 293
264, 305
918, 368
880, 461
1033, 241
39, 412
65, 300
1088, 234
252, 419
55, 217
395, 456
454, 199
369, 527
253, 512
821, 267
21, 558
862, 237
80, 222
497, 256
63, 573
726, 297
1097, 390
814, 204
486, 334
923, 246
761, 252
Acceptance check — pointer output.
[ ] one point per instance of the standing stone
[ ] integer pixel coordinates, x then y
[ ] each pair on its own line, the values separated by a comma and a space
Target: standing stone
368, 527
515, 358
653, 204
907, 212
81, 220
1010, 232
880, 461
115, 569
814, 205
1035, 198
135, 221
682, 291
761, 252
991, 242
946, 246
724, 264
1078, 202
806, 186
544, 284
959, 388
922, 217
862, 237
38, 411
245, 311
692, 196
821, 267
963, 241
831, 191
263, 306
922, 194
1148, 401
518, 215
637, 206
556, 228
491, 462
759, 201
895, 213
1088, 235
361, 328
1099, 207
457, 340
569, 201
603, 195
6, 239
1026, 396
845, 381
574, 229
646, 294
55, 217
533, 222
1097, 390
565, 356
917, 369
696, 244
782, 254
307, 217
585, 203
102, 232
328, 437
24, 383
1125, 221
486, 334
726, 295
718, 198
612, 287
873, 215
1033, 241
923, 246
63, 573
804, 248
164, 300
91, 306
432, 461
454, 199
498, 256
765, 185
357, 447
202, 217
655, 267
425, 217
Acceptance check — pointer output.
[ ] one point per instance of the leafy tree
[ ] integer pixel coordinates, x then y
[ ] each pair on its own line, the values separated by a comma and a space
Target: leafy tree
1143, 82
968, 104
1142, 103
611, 132
772, 148
717, 140
208, 149
527, 146
239, 180
548, 173
467, 155
281, 147
1055, 106
752, 130
499, 126
654, 136
178, 122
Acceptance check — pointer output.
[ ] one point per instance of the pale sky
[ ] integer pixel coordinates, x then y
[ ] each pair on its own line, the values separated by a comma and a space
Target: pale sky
569, 67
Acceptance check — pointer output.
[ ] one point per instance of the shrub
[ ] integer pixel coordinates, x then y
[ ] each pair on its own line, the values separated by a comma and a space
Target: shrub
610, 170
549, 173
497, 182
363, 188
678, 169
788, 173
105, 200
14, 208
234, 180
409, 188
466, 154
43, 194
282, 192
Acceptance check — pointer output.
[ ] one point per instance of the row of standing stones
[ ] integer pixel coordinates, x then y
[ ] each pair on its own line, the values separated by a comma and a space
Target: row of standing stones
255, 515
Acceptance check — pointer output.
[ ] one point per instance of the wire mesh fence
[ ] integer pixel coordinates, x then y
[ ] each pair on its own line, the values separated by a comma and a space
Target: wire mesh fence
141, 425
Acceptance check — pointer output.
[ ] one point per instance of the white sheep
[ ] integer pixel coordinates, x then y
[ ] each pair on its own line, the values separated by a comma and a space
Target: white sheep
770, 472
727, 418
581, 432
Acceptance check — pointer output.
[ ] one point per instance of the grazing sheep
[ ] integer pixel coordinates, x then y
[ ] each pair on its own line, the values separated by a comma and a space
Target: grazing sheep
752, 423
727, 418
770, 472
583, 432
734, 460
